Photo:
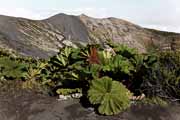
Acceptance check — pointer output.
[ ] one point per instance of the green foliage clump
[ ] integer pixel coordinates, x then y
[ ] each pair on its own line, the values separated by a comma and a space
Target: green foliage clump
143, 63
11, 69
76, 68
111, 96
154, 101
164, 79
33, 73
64, 71
68, 91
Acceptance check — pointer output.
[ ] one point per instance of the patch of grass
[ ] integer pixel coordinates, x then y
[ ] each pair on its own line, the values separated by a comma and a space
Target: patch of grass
155, 101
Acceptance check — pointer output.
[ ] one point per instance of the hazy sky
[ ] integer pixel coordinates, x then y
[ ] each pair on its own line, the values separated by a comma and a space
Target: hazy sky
160, 14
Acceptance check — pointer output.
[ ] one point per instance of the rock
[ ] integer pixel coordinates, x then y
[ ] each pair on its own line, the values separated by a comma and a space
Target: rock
29, 105
71, 96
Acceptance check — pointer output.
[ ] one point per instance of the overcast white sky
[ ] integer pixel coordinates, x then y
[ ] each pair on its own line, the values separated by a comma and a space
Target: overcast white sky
159, 14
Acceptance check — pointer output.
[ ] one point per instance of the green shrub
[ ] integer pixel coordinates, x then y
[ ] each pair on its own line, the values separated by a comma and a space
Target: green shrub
143, 63
164, 79
11, 69
66, 69
123, 50
154, 101
34, 75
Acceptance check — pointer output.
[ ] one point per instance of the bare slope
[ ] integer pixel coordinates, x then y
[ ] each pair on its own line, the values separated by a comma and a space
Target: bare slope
44, 37
124, 32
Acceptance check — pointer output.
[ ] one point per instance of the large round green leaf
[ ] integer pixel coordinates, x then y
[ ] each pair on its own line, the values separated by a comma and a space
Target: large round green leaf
111, 96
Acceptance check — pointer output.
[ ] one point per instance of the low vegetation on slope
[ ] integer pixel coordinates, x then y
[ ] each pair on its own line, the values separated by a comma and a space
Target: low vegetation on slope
106, 78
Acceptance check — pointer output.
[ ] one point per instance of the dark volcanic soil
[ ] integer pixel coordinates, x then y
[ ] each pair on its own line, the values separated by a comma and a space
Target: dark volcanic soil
18, 104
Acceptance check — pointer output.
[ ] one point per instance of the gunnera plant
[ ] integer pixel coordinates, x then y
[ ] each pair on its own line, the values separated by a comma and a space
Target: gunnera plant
110, 97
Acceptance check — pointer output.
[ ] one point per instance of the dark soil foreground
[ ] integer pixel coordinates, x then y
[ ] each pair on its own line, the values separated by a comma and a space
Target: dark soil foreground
28, 105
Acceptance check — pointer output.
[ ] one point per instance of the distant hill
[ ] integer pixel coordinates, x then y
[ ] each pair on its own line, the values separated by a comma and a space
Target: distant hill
43, 38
